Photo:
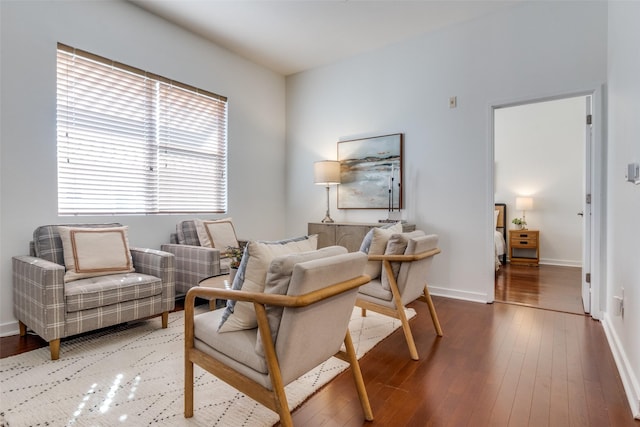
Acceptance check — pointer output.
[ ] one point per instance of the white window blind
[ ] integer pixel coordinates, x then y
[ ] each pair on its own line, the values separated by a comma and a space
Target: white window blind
132, 142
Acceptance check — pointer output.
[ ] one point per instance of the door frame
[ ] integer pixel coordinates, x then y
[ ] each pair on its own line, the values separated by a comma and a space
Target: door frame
598, 219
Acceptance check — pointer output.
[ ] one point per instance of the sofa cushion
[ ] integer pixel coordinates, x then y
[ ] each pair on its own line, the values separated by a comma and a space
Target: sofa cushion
397, 245
102, 291
252, 274
48, 245
218, 234
278, 279
380, 237
90, 252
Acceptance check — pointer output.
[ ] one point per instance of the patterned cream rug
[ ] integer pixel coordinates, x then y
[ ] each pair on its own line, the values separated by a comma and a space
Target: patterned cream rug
132, 375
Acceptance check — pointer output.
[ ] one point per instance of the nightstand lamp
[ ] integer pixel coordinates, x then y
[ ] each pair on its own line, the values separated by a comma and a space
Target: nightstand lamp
524, 204
327, 173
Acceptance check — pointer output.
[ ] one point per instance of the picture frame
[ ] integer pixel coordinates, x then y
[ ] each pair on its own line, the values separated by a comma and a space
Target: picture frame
371, 173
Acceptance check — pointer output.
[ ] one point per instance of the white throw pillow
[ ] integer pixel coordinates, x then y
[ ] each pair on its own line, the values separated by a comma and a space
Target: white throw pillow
218, 234
241, 315
378, 245
91, 252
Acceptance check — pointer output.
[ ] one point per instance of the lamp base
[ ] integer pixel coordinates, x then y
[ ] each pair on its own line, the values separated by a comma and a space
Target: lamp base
328, 219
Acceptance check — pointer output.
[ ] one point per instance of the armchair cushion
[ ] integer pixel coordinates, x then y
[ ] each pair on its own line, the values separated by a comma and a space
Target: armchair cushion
397, 245
91, 252
239, 346
95, 292
216, 234
278, 279
380, 237
186, 233
252, 274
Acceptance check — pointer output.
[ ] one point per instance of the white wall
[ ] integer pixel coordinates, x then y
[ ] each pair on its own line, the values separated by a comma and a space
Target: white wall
120, 31
623, 207
539, 152
529, 51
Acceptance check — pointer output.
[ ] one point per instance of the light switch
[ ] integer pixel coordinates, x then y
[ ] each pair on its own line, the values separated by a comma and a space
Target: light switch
633, 173
453, 102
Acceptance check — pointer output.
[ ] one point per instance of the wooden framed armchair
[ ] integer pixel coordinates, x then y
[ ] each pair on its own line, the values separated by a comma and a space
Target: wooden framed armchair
405, 264
303, 319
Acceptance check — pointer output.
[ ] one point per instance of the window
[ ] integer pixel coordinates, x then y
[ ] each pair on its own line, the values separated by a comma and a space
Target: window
132, 142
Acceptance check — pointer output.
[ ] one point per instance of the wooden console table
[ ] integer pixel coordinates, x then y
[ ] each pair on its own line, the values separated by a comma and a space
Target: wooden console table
347, 234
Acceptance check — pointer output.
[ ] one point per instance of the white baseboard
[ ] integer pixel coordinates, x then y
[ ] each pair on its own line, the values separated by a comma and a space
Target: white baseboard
629, 381
8, 329
561, 262
457, 294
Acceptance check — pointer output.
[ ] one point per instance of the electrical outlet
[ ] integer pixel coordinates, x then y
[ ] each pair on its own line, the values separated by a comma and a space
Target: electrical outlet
618, 304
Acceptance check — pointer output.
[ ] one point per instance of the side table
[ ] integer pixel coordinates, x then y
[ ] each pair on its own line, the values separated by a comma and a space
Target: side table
217, 282
521, 241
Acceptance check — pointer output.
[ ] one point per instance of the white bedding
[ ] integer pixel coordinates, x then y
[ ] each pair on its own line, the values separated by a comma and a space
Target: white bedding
500, 245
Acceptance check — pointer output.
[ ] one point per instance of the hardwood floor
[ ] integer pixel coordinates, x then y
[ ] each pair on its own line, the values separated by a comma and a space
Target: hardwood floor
497, 365
547, 286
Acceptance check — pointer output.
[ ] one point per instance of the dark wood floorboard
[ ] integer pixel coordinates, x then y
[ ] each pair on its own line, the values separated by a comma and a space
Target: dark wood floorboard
497, 365
550, 287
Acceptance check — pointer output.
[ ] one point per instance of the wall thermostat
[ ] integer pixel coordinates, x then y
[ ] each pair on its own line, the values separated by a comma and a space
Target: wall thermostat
633, 173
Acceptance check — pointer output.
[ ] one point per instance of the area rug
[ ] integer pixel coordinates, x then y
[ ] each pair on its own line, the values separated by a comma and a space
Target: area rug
133, 375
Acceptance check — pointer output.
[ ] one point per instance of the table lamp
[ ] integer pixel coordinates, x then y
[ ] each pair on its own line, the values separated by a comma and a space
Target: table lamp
327, 173
524, 204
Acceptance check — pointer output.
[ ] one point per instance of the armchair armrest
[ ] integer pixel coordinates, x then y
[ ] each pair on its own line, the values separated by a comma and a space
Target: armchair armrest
192, 264
159, 264
38, 295
274, 299
404, 258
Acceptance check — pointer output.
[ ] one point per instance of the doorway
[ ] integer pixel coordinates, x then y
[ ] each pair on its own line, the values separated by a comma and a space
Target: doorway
541, 152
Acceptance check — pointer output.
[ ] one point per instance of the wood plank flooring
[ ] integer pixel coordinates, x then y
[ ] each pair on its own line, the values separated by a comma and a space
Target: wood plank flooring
497, 365
548, 286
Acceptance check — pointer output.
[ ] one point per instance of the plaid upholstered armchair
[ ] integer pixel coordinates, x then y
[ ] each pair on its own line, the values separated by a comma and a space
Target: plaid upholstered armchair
200, 248
83, 277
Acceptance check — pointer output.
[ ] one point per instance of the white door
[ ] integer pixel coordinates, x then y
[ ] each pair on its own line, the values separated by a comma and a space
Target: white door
586, 213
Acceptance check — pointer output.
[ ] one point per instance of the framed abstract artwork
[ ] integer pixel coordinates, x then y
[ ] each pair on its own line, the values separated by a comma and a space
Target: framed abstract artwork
371, 173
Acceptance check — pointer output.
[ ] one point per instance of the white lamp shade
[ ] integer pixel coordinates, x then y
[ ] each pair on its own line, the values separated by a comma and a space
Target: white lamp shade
326, 172
524, 203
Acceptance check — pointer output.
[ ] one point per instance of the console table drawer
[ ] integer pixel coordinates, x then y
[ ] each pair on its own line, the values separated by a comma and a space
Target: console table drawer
522, 242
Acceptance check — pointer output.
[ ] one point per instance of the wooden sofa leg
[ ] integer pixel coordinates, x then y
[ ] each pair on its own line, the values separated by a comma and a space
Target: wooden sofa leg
54, 348
165, 319
23, 328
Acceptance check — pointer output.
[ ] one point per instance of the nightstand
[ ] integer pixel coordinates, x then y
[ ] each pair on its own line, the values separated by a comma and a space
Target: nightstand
524, 247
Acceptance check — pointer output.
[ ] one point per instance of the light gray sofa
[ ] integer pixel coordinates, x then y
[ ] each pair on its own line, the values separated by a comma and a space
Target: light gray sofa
53, 309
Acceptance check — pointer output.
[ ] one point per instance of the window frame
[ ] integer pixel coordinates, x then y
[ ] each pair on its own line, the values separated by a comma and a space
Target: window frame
133, 142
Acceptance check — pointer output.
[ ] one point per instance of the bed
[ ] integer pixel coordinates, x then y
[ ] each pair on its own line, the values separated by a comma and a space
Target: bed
500, 234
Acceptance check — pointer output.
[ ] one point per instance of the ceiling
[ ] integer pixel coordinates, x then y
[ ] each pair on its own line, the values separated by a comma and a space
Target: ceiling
295, 35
